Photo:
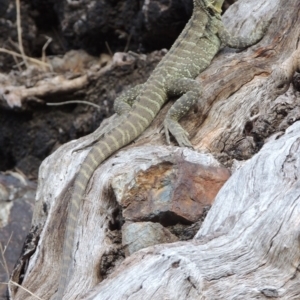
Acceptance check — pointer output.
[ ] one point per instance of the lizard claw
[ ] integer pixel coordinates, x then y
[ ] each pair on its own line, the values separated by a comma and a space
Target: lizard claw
178, 132
167, 134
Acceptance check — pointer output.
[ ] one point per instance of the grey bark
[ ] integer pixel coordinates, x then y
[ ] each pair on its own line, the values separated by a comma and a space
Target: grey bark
248, 246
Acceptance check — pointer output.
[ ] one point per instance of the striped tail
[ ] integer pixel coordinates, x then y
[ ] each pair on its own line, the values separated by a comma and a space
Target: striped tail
111, 142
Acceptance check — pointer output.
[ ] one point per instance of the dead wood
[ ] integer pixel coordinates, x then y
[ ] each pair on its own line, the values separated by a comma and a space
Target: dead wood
13, 96
247, 248
50, 84
248, 245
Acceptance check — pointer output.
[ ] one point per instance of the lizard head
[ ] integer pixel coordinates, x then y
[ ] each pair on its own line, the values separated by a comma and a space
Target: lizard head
213, 5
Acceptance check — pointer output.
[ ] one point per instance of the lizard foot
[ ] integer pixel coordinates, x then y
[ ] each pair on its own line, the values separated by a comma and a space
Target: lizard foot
178, 132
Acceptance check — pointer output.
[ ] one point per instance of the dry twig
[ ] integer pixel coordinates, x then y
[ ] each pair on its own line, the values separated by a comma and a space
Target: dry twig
72, 102
19, 28
33, 60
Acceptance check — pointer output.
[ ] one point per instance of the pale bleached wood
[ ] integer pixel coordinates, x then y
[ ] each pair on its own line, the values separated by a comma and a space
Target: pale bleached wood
248, 247
93, 234
234, 83
249, 240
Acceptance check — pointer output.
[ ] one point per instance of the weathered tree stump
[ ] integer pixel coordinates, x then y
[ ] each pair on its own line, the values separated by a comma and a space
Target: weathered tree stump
248, 245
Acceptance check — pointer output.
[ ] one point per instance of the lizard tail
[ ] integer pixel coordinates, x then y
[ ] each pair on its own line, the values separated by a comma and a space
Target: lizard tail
133, 125
95, 157
110, 143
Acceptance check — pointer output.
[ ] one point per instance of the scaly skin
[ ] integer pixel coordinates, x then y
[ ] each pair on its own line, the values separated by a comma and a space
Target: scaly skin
191, 53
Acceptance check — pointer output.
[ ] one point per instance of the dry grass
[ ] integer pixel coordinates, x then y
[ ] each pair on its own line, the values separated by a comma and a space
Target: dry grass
24, 57
33, 60
5, 267
24, 289
19, 28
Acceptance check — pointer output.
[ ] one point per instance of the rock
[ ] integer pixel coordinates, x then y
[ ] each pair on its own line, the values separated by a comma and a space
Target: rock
140, 235
169, 193
16, 209
4, 195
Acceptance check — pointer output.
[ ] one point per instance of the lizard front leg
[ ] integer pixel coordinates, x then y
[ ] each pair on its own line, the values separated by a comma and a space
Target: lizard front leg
190, 91
239, 42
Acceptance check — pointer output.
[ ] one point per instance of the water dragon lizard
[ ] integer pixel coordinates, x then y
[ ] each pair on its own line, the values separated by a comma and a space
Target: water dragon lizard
175, 75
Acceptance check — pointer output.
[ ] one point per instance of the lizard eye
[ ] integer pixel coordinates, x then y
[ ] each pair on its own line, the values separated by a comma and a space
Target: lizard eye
280, 86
